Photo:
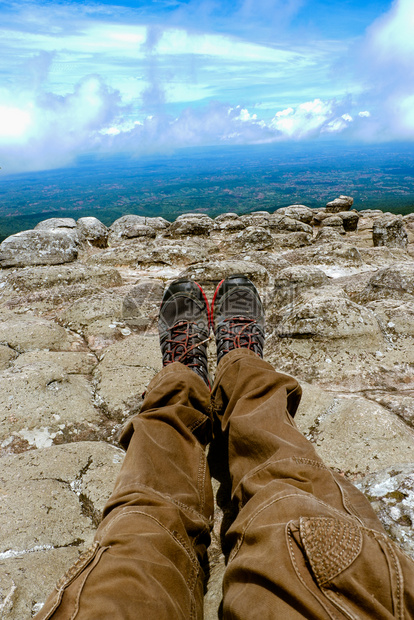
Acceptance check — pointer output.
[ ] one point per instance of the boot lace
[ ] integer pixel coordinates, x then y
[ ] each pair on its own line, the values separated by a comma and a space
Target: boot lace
183, 343
239, 332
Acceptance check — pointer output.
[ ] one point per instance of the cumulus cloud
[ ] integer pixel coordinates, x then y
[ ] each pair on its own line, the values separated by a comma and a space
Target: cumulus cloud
48, 130
385, 68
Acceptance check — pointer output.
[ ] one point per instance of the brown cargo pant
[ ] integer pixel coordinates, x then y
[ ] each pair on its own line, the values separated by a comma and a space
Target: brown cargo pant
305, 543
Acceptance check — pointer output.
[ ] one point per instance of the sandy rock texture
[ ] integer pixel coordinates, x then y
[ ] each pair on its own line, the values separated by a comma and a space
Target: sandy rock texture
79, 344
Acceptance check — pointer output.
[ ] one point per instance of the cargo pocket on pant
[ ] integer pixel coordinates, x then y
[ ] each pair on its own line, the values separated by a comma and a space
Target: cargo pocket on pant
353, 568
78, 571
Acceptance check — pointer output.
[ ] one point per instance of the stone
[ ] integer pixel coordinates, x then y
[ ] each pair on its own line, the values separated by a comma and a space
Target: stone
229, 222
325, 317
212, 272
400, 404
124, 372
343, 203
273, 263
157, 223
358, 437
335, 259
393, 282
171, 252
389, 230
30, 333
38, 247
56, 222
290, 281
350, 220
126, 227
291, 240
391, 492
51, 502
255, 237
93, 231
297, 212
41, 404
141, 305
191, 225
72, 362
7, 355
56, 284
280, 223
124, 254
395, 317
88, 315
334, 221
327, 234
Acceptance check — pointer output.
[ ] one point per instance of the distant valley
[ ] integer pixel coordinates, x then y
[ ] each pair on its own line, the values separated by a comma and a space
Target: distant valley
212, 181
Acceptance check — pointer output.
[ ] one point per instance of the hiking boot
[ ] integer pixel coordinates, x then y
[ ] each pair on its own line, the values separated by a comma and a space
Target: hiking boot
184, 326
237, 316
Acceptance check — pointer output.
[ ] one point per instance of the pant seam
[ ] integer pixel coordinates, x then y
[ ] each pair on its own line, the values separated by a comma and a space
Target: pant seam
187, 551
298, 573
340, 514
170, 500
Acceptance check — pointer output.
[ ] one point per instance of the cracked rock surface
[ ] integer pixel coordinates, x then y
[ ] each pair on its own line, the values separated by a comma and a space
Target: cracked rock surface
79, 345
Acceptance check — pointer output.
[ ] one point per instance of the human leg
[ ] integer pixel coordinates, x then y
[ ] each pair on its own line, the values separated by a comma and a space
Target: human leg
145, 561
305, 543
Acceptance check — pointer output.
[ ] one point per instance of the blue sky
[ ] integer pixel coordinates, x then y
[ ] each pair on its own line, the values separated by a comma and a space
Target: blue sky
148, 77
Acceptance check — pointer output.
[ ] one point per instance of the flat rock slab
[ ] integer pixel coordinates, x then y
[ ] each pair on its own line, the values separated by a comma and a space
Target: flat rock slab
357, 436
24, 332
51, 502
124, 372
40, 403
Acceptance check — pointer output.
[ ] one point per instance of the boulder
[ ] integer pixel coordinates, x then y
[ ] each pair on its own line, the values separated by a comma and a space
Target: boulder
323, 316
290, 281
172, 252
297, 212
191, 225
157, 223
327, 234
393, 282
334, 221
126, 227
229, 222
350, 220
63, 279
56, 222
38, 247
255, 237
280, 223
343, 203
389, 230
92, 231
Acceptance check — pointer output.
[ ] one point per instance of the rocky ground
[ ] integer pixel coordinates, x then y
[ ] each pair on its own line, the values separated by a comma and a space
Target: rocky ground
78, 345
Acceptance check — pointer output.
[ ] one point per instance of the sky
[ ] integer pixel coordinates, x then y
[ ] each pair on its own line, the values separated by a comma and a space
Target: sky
140, 78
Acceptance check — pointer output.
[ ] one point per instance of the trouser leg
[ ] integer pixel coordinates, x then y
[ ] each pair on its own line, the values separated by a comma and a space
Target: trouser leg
306, 543
146, 559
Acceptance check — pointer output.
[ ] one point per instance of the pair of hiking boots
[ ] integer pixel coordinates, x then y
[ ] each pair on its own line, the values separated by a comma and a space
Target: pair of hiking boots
236, 316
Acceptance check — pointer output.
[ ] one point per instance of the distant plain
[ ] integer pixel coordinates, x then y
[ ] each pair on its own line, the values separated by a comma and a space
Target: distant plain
212, 180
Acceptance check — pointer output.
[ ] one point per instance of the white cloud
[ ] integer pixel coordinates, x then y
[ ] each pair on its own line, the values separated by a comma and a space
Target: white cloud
311, 119
385, 66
